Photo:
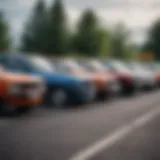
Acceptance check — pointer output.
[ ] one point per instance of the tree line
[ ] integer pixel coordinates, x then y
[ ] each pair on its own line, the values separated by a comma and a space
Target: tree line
47, 32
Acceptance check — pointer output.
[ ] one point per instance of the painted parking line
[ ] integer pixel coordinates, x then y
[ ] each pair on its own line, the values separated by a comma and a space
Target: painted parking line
111, 139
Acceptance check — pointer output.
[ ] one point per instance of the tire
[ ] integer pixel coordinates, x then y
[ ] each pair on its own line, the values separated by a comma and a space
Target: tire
24, 110
5, 109
103, 95
128, 91
58, 98
2, 109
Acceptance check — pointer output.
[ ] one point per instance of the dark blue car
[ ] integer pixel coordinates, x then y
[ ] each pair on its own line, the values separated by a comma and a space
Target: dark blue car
60, 89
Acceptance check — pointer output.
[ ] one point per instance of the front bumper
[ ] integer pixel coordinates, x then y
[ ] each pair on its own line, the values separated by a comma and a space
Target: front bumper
25, 95
84, 93
22, 102
110, 88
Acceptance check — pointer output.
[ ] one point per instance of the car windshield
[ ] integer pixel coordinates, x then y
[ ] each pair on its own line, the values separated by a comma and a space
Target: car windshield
152, 66
118, 66
97, 66
42, 64
156, 67
133, 67
91, 66
73, 65
144, 67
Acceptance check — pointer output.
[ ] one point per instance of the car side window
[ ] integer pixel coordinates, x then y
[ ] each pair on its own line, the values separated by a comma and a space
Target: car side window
17, 65
3, 61
65, 69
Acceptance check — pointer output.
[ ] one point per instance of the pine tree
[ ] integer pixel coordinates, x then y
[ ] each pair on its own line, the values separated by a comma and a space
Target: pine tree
104, 44
119, 40
4, 35
153, 42
35, 37
57, 29
86, 39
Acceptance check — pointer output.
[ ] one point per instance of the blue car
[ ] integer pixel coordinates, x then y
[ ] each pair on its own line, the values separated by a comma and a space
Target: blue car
60, 88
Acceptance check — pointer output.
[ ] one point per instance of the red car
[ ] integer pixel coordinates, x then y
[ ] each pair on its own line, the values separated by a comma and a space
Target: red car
94, 67
125, 77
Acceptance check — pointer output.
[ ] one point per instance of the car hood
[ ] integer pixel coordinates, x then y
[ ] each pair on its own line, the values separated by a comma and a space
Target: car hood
91, 76
20, 78
124, 74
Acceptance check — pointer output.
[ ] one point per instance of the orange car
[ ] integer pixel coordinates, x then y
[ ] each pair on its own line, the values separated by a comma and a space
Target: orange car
104, 83
19, 92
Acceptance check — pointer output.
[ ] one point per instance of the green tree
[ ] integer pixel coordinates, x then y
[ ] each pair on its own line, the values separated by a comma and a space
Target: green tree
103, 39
131, 51
34, 38
57, 30
119, 40
86, 38
5, 42
152, 43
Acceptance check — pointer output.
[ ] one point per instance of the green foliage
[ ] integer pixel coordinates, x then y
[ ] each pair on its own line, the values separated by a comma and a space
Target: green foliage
4, 35
86, 38
34, 38
47, 32
103, 39
57, 29
119, 38
120, 45
152, 43
131, 52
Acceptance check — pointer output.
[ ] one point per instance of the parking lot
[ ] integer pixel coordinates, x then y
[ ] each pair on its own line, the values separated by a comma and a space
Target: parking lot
127, 128
79, 80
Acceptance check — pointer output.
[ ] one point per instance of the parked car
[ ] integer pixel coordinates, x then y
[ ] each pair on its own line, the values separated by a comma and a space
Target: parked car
125, 77
93, 66
19, 92
154, 69
60, 88
71, 67
144, 78
104, 84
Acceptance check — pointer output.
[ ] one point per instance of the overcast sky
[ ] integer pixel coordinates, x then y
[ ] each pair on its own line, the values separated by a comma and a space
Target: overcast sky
138, 15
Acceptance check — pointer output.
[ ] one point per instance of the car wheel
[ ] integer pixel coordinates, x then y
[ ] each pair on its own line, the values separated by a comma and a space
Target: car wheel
22, 110
58, 98
129, 90
104, 95
5, 109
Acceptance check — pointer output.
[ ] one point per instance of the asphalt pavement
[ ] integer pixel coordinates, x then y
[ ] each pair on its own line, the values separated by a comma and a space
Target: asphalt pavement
142, 144
77, 133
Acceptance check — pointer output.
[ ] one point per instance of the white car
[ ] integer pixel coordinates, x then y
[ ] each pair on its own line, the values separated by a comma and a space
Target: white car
144, 78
